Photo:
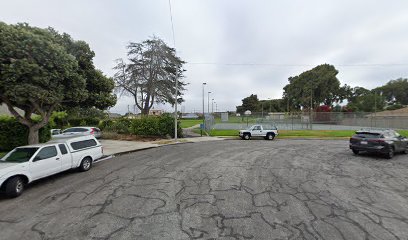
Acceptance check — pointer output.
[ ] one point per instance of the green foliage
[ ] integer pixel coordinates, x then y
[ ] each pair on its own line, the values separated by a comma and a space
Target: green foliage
146, 126
121, 125
395, 107
58, 119
368, 102
92, 122
155, 126
42, 70
396, 91
250, 103
319, 85
14, 134
151, 73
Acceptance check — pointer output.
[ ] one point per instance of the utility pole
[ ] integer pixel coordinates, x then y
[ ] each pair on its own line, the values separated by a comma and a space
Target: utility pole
175, 110
375, 108
311, 107
212, 105
270, 104
262, 108
203, 111
208, 103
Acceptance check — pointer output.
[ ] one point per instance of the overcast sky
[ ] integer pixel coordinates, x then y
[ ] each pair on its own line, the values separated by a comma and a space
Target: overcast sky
248, 47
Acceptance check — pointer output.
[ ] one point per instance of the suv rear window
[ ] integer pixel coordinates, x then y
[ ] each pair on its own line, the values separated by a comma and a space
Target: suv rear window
369, 135
83, 144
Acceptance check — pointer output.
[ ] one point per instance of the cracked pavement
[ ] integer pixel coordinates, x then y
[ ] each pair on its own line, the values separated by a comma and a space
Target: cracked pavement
233, 189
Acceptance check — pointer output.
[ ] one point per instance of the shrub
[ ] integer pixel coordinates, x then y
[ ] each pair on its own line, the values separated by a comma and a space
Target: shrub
84, 122
14, 134
155, 126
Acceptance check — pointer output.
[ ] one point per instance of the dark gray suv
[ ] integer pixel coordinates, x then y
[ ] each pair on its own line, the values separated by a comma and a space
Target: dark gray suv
385, 142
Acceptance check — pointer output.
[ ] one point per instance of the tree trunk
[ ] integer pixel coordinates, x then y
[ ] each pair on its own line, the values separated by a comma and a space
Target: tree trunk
33, 137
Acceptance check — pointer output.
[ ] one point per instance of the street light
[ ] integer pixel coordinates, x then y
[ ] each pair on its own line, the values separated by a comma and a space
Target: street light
203, 111
208, 104
212, 105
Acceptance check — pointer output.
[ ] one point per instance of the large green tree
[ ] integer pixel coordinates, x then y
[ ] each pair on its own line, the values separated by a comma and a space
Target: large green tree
395, 91
314, 87
250, 103
149, 75
39, 74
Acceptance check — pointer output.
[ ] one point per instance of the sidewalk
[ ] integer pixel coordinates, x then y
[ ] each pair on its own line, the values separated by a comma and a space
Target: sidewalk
116, 147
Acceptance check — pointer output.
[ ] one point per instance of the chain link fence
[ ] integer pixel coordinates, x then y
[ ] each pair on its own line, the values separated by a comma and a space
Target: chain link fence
313, 121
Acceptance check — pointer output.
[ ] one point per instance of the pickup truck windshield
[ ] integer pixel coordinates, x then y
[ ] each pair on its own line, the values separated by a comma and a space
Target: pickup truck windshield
20, 155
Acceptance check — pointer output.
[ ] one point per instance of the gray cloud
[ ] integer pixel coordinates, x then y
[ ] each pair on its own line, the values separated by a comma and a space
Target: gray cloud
298, 33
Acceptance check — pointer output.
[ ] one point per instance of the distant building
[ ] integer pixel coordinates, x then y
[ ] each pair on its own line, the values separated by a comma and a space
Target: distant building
155, 112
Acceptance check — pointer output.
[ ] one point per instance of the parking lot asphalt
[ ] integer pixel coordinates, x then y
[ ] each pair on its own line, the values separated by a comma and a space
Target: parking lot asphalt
233, 189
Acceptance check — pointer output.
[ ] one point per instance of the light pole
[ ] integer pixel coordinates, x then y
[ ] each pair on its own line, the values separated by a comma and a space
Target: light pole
212, 105
208, 103
203, 111
270, 104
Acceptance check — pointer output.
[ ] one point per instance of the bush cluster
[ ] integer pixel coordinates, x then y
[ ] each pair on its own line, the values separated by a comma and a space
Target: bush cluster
145, 126
14, 134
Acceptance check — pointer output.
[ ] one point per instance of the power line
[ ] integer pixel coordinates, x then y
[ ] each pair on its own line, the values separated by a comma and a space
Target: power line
299, 65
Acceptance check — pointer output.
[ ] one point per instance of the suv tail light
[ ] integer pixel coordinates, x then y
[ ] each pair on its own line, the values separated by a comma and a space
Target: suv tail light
92, 131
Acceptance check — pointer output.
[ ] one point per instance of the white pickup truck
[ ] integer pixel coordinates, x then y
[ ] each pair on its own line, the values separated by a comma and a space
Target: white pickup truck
266, 131
28, 163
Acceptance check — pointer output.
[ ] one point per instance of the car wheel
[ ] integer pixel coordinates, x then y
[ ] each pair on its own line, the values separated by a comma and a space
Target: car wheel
356, 152
390, 153
270, 136
247, 136
14, 187
86, 164
405, 151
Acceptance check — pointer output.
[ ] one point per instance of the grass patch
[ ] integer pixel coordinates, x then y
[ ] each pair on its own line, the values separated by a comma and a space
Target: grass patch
186, 123
298, 133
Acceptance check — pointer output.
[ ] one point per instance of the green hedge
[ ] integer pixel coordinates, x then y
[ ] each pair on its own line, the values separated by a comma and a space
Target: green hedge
91, 122
14, 134
155, 126
145, 126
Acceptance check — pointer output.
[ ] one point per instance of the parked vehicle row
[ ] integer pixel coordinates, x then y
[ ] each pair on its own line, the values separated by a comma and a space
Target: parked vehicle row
25, 164
384, 142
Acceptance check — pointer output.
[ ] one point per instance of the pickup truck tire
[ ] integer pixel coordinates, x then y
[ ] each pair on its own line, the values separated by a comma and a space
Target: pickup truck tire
270, 136
85, 165
14, 187
247, 136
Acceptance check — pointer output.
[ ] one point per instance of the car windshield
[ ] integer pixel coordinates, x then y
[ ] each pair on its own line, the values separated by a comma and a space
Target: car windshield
20, 155
71, 130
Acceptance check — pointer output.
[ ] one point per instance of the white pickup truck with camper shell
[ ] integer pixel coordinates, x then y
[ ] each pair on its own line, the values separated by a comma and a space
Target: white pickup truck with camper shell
267, 131
29, 163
